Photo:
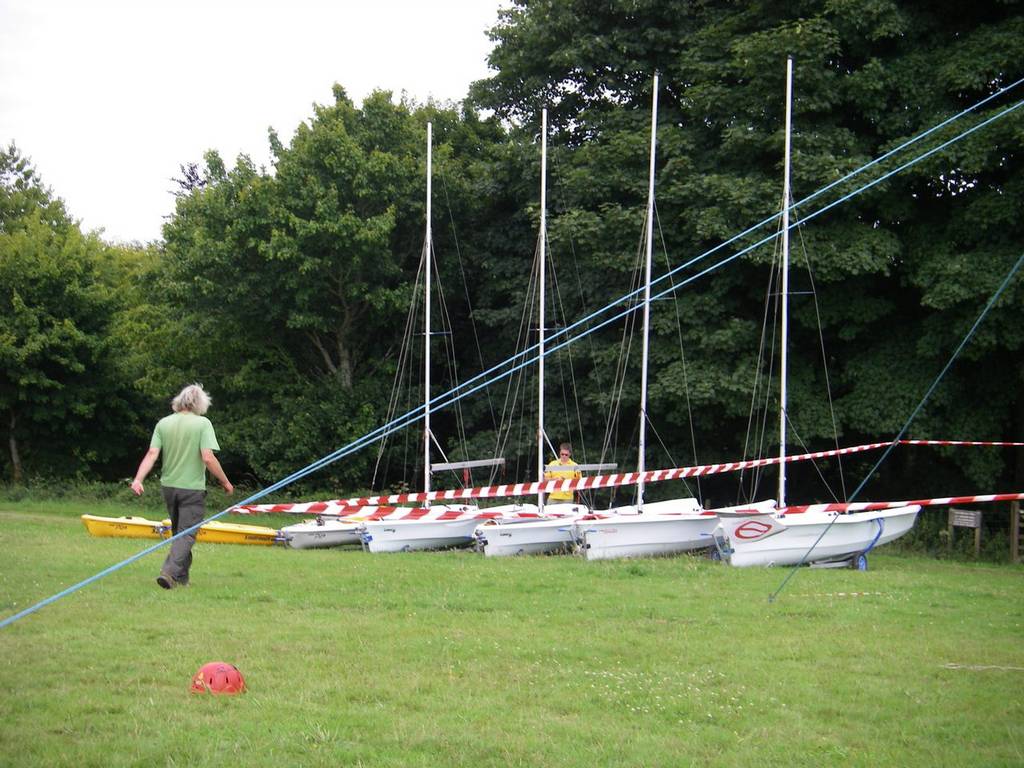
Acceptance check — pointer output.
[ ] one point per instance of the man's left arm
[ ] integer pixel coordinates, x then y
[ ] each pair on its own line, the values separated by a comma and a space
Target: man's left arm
212, 464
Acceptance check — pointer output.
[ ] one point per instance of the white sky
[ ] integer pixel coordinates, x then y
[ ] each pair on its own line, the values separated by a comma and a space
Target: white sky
109, 97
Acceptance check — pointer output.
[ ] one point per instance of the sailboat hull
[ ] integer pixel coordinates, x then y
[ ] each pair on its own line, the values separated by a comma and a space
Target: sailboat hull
762, 539
504, 538
646, 535
415, 535
318, 534
661, 528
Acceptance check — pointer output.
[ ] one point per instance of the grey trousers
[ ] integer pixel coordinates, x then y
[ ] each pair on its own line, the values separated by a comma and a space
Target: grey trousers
186, 508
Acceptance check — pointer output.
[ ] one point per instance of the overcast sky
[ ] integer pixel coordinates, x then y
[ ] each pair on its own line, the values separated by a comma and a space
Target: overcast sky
109, 97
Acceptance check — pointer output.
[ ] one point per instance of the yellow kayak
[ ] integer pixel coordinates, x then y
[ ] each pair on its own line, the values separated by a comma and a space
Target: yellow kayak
232, 533
124, 527
209, 533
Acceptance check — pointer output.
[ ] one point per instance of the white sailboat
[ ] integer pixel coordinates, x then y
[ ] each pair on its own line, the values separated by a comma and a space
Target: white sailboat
338, 527
445, 525
551, 533
550, 530
321, 532
656, 528
646, 529
773, 537
776, 538
442, 526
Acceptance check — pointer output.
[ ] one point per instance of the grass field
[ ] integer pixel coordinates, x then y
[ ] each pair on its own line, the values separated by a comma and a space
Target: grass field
439, 659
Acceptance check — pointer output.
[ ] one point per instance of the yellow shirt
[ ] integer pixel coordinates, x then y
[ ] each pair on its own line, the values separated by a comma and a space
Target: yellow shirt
562, 474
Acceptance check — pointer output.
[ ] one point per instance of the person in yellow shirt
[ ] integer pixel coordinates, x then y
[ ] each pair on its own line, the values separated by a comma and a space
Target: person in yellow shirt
564, 459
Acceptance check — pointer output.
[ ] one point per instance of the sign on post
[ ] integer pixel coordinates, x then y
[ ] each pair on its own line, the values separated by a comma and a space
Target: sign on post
966, 518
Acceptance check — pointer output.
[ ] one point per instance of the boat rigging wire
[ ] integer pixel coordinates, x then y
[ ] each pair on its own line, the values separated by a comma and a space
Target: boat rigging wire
448, 337
563, 364
401, 366
595, 370
896, 440
465, 283
768, 377
518, 381
803, 444
682, 359
824, 359
464, 390
612, 419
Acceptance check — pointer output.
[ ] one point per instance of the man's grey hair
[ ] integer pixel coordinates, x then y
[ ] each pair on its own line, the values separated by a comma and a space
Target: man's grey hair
192, 398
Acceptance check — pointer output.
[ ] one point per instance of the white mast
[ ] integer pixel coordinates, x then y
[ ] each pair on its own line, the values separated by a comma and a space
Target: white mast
428, 247
540, 289
647, 302
785, 287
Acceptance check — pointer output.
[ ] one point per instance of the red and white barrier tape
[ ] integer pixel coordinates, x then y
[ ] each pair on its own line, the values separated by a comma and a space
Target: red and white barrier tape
990, 443
370, 505
547, 486
870, 506
371, 513
322, 508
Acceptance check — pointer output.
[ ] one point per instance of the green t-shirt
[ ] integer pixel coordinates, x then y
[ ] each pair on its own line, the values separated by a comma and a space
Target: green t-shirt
180, 438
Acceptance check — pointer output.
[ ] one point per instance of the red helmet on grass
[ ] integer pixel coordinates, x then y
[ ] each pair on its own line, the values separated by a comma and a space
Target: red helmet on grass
218, 677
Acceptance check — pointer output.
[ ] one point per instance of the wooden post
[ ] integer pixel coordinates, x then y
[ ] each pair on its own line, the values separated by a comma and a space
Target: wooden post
949, 537
1015, 531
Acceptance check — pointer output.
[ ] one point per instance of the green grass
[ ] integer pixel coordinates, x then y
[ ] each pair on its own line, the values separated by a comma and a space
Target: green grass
439, 659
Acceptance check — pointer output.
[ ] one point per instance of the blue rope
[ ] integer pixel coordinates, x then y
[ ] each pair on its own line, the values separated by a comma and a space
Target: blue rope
880, 522
906, 426
105, 572
464, 390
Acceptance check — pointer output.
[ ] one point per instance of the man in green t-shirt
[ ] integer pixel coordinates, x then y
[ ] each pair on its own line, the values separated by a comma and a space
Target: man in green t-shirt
187, 440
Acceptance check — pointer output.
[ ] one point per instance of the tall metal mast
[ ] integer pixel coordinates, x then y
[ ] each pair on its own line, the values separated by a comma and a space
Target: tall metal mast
428, 247
542, 268
641, 460
785, 286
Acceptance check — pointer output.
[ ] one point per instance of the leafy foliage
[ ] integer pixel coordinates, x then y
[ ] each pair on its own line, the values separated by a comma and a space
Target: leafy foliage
920, 253
65, 405
287, 291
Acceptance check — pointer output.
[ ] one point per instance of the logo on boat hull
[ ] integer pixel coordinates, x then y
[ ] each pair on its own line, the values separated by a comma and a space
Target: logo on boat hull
752, 530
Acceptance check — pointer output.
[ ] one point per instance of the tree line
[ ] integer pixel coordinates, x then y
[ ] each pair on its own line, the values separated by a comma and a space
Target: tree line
286, 291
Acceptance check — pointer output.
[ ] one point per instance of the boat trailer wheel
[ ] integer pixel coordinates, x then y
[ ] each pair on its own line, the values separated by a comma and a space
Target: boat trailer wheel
860, 562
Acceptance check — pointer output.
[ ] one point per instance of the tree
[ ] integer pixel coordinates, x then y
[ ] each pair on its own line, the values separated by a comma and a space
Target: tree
920, 253
59, 392
298, 283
